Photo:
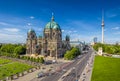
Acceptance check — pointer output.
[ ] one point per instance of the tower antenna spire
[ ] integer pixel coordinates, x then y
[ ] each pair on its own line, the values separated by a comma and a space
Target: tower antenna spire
52, 13
102, 16
52, 16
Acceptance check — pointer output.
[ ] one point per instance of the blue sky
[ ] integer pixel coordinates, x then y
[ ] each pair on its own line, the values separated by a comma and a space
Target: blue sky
81, 19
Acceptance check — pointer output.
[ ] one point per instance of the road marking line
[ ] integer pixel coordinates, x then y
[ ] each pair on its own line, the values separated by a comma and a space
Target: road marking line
81, 60
65, 74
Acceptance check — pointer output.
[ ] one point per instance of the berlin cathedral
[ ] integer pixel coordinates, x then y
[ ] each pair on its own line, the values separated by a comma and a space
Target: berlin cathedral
50, 44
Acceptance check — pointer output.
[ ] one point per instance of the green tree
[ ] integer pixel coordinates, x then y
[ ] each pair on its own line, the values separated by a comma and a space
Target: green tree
68, 55
110, 49
8, 48
20, 50
74, 52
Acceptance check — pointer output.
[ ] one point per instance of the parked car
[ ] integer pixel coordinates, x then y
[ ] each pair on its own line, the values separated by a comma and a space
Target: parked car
40, 74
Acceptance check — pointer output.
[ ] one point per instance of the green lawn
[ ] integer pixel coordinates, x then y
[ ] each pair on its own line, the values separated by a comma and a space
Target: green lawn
106, 69
12, 68
4, 61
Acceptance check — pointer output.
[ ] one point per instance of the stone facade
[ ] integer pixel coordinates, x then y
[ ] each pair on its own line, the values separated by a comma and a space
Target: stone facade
50, 44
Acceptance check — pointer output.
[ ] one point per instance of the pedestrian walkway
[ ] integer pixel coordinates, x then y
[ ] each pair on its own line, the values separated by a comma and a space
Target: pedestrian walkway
27, 77
47, 68
87, 72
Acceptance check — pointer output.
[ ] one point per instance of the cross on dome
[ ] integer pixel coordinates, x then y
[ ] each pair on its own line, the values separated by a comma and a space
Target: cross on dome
52, 16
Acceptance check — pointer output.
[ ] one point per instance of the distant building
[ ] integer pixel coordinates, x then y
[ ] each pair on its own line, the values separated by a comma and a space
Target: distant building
100, 51
95, 40
50, 44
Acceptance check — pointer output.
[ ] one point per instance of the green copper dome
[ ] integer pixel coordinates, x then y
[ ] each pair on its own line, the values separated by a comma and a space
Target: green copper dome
52, 24
67, 37
31, 30
40, 36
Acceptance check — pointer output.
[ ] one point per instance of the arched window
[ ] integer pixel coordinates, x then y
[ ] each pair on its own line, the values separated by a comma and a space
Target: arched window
53, 34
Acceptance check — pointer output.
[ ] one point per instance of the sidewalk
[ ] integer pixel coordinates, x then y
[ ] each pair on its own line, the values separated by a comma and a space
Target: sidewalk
27, 77
32, 76
87, 72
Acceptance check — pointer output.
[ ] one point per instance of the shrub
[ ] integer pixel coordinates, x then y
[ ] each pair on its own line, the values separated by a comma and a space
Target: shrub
41, 60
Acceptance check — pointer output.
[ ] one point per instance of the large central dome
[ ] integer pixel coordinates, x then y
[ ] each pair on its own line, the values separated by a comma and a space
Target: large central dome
52, 24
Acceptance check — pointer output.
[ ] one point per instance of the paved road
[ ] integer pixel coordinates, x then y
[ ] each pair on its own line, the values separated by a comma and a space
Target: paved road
70, 74
87, 72
79, 67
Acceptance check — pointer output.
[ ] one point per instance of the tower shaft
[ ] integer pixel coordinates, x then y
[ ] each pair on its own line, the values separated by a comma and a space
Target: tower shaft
102, 27
103, 34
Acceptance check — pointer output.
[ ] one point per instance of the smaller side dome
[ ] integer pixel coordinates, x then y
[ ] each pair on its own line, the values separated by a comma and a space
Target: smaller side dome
31, 31
40, 36
67, 38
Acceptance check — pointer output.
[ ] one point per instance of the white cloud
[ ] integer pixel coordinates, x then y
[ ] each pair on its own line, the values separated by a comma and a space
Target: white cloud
11, 29
69, 31
116, 28
12, 38
105, 30
32, 17
73, 26
12, 35
63, 30
112, 41
39, 29
117, 33
3, 23
80, 37
29, 24
15, 30
76, 25
114, 12
74, 31
111, 15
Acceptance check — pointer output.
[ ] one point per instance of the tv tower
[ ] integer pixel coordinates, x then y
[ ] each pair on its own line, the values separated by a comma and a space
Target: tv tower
102, 26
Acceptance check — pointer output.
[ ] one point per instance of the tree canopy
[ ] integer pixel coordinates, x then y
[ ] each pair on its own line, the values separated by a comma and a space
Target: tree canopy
20, 50
70, 55
110, 49
13, 49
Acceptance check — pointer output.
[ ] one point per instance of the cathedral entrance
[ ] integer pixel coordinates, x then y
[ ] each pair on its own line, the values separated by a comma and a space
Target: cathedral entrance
48, 52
